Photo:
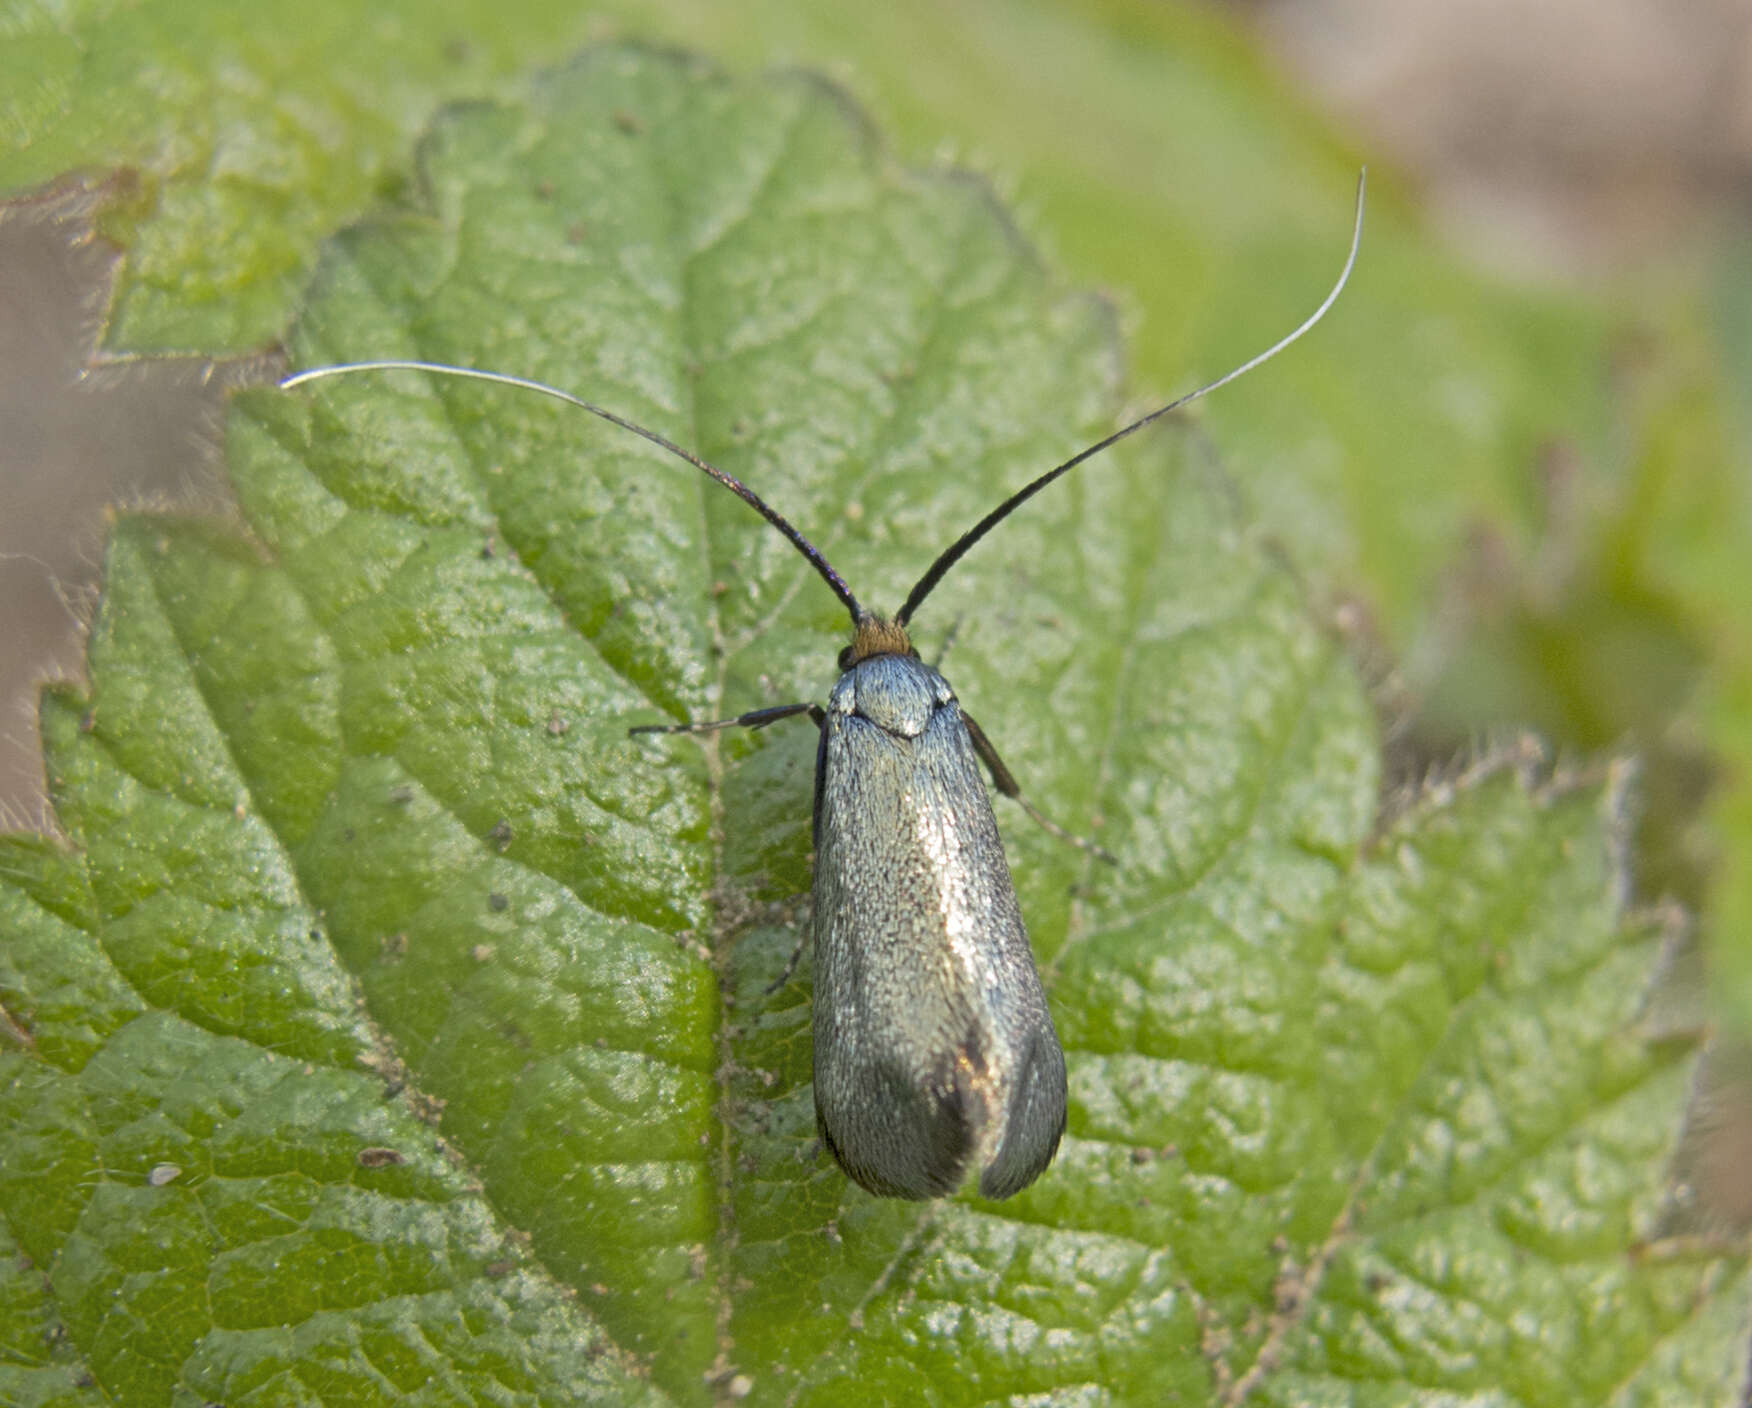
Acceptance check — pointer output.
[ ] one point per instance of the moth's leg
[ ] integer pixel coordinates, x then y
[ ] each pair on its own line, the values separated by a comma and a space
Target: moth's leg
819, 716
948, 643
790, 968
1006, 783
754, 718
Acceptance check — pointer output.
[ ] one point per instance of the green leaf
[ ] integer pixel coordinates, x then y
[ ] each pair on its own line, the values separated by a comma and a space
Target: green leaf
1159, 151
390, 1026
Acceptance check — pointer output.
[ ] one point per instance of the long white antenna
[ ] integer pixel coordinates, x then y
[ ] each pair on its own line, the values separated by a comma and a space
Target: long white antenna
724, 477
958, 549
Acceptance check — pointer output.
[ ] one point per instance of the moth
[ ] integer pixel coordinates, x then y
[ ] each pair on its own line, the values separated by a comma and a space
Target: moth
935, 1056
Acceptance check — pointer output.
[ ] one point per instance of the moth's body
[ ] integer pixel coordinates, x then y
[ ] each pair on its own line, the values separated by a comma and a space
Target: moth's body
935, 1053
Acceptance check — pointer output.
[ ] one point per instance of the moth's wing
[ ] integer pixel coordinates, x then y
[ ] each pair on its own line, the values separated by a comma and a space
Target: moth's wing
935, 1053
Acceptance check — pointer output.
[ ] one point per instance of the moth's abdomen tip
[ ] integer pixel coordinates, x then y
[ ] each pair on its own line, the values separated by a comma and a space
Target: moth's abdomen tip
905, 1138
897, 1140
1034, 1120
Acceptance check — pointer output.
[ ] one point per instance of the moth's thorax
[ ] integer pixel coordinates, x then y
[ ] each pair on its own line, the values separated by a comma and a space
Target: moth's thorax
897, 693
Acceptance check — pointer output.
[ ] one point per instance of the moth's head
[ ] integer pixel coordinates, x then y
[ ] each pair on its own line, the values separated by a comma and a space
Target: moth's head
876, 635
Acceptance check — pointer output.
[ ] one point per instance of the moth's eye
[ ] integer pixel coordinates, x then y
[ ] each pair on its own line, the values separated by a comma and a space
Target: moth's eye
845, 659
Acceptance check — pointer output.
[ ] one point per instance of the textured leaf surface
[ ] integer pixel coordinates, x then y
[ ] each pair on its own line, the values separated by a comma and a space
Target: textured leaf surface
1162, 157
392, 1025
1159, 151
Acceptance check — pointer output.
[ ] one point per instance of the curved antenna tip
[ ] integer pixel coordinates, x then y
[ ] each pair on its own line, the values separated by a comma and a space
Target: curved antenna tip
810, 552
958, 549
